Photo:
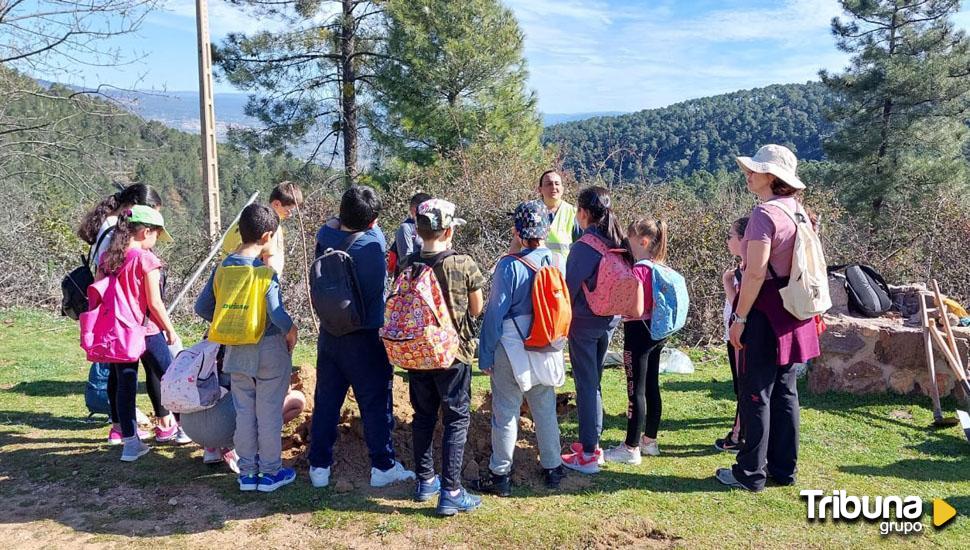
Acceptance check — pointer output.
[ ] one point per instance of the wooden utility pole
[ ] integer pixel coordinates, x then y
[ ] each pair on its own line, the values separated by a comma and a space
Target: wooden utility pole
210, 162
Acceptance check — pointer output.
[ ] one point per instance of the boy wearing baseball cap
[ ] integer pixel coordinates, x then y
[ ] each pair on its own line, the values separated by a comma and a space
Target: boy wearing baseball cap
450, 389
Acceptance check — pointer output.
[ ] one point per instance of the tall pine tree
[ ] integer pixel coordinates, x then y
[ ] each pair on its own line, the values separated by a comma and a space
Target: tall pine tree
901, 130
452, 73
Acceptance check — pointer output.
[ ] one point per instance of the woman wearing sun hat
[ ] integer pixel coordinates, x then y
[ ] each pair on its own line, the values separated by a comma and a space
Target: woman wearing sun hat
768, 338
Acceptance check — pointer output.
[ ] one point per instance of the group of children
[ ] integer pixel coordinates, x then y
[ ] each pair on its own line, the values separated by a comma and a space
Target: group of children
243, 303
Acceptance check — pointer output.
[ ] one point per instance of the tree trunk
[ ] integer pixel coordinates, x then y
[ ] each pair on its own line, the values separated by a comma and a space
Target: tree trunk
887, 114
348, 92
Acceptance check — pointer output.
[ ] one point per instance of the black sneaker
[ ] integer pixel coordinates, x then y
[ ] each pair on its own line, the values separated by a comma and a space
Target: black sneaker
554, 476
493, 484
728, 445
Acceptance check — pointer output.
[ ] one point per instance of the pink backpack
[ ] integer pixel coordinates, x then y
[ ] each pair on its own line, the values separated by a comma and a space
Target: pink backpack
110, 331
418, 332
618, 291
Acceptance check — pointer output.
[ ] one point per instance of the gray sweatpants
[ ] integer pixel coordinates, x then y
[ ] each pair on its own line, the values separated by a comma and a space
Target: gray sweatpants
506, 404
259, 408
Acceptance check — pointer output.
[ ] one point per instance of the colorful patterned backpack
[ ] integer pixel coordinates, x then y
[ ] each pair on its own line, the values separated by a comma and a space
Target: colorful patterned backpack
418, 332
618, 291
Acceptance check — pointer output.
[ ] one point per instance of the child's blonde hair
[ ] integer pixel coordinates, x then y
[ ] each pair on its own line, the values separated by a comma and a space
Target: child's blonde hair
656, 231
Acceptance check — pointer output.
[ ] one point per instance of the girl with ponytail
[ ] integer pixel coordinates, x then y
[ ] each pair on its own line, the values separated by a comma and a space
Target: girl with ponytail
641, 354
589, 334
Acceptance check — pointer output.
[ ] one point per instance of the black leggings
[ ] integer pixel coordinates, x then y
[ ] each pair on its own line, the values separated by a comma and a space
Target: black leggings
641, 360
156, 361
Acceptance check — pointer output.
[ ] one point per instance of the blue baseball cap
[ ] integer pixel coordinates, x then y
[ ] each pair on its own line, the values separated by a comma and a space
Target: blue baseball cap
532, 220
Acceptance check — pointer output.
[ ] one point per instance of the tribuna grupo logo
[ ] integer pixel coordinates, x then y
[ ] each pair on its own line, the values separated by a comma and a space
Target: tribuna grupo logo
894, 514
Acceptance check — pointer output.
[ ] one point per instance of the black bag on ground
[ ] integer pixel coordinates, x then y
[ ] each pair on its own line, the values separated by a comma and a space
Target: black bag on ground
74, 285
334, 290
867, 290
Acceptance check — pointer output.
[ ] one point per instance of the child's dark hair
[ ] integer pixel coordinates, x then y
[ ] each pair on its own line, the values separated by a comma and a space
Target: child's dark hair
114, 256
656, 231
359, 207
288, 193
255, 220
418, 198
739, 226
138, 193
596, 202
546, 173
429, 235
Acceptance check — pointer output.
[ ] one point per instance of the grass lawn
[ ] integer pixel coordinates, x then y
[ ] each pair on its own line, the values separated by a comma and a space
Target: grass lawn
60, 484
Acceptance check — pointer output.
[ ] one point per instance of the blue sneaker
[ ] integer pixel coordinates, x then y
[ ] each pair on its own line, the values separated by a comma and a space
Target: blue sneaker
427, 489
463, 502
271, 482
248, 482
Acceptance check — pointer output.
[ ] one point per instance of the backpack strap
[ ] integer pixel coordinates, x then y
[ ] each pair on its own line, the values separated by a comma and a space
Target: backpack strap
351, 240
97, 244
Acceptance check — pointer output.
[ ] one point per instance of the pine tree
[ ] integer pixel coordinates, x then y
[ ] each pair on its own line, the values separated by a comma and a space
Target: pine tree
453, 73
901, 129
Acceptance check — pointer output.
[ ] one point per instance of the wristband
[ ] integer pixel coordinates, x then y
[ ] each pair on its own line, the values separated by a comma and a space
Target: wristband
735, 318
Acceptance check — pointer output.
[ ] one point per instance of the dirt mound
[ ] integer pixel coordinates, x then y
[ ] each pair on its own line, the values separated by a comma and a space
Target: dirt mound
351, 462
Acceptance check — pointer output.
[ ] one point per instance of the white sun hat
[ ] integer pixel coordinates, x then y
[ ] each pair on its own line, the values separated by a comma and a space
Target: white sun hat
777, 160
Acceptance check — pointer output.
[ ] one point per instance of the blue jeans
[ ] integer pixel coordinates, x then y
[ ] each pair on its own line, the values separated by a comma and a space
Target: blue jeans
357, 360
123, 389
587, 352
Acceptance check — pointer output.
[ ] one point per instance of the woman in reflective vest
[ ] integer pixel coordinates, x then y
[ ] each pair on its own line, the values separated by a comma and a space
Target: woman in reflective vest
563, 229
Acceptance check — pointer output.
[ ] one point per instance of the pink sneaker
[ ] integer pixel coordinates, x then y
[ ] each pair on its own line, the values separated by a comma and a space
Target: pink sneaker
173, 434
115, 437
231, 459
583, 463
577, 447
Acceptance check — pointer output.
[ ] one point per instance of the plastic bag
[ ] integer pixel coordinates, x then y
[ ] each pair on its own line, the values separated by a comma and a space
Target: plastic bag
674, 361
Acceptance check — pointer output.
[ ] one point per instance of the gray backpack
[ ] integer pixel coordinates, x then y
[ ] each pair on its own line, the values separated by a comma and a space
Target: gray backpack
334, 290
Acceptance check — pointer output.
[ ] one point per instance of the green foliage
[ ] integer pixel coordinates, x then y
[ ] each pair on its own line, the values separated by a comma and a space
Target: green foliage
902, 102
700, 134
453, 74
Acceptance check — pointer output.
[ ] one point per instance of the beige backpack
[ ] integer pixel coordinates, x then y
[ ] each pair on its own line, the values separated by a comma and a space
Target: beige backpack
807, 293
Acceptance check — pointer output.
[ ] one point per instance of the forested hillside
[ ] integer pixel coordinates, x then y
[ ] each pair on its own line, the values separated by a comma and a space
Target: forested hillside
700, 134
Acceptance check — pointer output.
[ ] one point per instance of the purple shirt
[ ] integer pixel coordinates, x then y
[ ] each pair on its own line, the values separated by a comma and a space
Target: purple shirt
770, 225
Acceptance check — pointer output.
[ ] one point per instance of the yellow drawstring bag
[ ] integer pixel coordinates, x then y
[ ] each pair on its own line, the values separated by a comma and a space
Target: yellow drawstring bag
240, 314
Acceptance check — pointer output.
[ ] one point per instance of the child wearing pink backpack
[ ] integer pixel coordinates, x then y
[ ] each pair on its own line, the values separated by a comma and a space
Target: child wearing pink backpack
599, 274
127, 321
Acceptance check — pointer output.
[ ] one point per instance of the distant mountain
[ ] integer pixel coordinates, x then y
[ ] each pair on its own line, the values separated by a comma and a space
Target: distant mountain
549, 119
180, 110
699, 134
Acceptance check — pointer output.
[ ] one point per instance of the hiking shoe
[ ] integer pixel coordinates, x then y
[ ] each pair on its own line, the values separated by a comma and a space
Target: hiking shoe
554, 476
623, 455
726, 477
115, 436
248, 482
582, 462
319, 477
427, 488
211, 455
462, 502
728, 445
133, 449
172, 434
383, 478
231, 459
577, 447
271, 482
495, 484
649, 448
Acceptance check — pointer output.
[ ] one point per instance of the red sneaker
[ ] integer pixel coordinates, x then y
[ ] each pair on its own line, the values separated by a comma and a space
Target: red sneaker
577, 447
582, 462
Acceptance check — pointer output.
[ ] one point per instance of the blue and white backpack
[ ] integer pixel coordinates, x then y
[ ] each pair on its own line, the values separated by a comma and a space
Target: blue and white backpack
670, 300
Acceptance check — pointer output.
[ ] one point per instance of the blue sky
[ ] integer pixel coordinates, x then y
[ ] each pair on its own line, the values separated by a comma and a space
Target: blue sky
583, 55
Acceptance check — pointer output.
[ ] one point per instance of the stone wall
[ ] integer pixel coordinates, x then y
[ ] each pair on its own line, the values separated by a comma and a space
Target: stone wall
880, 355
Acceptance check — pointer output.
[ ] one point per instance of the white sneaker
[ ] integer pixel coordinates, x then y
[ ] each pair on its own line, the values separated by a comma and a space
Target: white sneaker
623, 454
649, 449
211, 456
319, 477
142, 418
134, 449
383, 478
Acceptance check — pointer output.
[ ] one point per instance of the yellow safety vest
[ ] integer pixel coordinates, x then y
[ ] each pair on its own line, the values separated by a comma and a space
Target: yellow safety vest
240, 314
561, 231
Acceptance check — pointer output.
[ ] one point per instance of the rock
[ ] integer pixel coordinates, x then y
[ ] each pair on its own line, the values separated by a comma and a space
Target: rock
343, 486
471, 472
901, 349
173, 501
846, 341
902, 381
901, 415
863, 377
821, 378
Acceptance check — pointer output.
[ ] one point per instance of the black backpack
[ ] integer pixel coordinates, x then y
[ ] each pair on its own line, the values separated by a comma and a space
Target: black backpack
74, 285
867, 290
334, 290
